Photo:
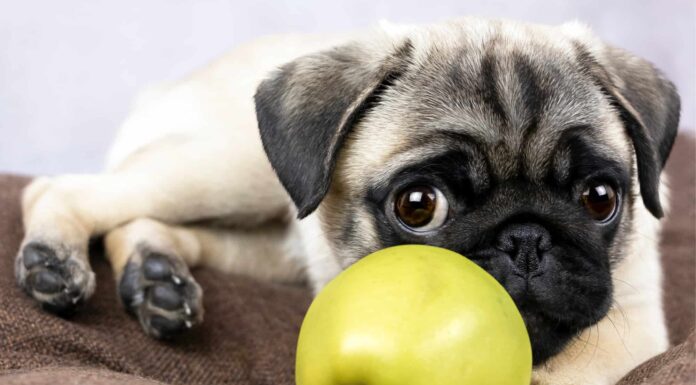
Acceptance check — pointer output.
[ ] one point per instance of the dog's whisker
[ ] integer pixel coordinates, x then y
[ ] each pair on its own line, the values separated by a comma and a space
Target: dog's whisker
631, 286
620, 335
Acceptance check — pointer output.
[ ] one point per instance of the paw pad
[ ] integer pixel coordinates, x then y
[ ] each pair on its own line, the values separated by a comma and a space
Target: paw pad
55, 276
160, 291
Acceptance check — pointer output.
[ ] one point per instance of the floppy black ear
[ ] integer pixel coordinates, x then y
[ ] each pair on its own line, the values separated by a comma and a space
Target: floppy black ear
649, 107
306, 108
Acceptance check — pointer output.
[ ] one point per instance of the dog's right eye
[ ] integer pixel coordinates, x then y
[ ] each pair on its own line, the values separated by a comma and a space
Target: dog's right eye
421, 208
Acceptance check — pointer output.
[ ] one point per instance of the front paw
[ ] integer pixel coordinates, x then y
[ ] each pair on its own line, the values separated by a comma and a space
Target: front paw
160, 291
57, 276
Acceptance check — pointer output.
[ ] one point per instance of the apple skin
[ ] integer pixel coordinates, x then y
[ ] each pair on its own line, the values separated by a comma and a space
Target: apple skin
413, 315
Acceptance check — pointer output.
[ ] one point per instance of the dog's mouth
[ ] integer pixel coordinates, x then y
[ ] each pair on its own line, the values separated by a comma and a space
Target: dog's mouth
558, 298
547, 335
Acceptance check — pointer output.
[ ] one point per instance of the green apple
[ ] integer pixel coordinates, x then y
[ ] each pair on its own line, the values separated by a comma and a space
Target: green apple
413, 315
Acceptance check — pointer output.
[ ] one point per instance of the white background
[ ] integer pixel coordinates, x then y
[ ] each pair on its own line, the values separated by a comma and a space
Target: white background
69, 68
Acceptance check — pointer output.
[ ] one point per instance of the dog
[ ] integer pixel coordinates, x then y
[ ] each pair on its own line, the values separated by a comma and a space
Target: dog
535, 151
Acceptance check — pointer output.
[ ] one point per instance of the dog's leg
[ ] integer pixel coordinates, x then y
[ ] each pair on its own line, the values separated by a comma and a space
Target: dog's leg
175, 180
150, 261
151, 264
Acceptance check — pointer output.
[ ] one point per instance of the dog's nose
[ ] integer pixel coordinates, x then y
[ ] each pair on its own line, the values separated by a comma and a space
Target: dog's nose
525, 243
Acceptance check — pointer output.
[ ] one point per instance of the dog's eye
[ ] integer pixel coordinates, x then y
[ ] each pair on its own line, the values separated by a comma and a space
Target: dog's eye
599, 200
421, 208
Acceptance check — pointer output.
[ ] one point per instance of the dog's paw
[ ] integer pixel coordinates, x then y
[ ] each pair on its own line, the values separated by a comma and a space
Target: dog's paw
159, 290
57, 276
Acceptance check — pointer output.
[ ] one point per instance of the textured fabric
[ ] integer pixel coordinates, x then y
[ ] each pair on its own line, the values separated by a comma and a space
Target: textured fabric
73, 376
248, 336
679, 241
677, 366
250, 329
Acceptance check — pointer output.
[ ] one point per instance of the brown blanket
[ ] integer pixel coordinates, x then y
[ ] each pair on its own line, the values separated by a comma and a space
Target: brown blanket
249, 333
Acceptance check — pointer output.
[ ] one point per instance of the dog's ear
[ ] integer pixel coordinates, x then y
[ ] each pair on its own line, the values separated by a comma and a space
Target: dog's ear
306, 108
648, 104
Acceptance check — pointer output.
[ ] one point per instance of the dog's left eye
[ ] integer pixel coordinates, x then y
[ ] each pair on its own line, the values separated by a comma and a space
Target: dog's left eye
421, 208
600, 201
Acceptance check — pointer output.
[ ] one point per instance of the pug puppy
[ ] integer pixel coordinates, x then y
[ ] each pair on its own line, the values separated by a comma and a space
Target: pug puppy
535, 151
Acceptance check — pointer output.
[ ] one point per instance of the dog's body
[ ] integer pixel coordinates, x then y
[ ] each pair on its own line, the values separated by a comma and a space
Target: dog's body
189, 182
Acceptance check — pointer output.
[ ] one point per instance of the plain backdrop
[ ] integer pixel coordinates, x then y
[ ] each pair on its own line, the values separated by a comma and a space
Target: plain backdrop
69, 68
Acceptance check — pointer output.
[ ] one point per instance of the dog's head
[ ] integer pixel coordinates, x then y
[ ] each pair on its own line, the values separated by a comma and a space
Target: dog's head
528, 149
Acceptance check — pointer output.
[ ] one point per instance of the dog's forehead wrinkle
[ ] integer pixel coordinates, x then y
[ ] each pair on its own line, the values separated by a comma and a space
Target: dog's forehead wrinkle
446, 92
561, 165
402, 159
533, 92
512, 91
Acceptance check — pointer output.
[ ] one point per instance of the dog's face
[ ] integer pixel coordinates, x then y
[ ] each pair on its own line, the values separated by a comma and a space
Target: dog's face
525, 148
